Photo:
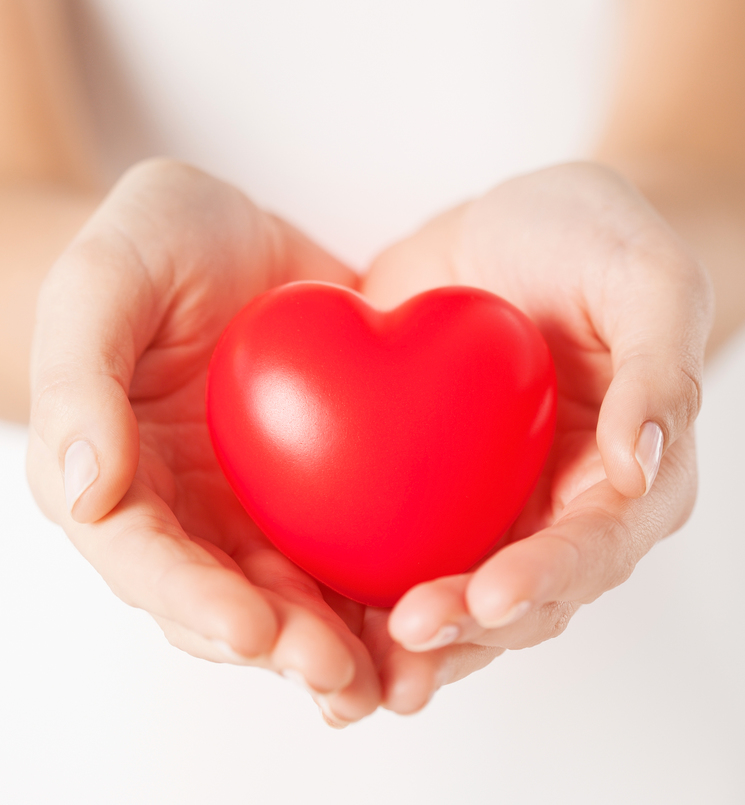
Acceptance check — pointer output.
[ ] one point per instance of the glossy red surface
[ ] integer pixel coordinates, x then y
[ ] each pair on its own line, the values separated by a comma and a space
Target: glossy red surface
378, 450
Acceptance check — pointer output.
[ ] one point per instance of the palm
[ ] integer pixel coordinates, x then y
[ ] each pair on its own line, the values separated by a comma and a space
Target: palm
178, 462
180, 465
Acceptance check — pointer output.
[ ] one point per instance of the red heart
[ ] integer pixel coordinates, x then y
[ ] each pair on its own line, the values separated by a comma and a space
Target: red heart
378, 450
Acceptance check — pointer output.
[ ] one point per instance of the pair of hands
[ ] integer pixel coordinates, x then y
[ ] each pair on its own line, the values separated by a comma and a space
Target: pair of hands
119, 452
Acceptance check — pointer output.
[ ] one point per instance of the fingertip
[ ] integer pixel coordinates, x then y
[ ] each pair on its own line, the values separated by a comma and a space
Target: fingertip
183, 582
345, 671
98, 441
654, 397
622, 417
315, 649
409, 681
352, 696
489, 601
244, 621
430, 615
255, 639
98, 474
631, 460
412, 620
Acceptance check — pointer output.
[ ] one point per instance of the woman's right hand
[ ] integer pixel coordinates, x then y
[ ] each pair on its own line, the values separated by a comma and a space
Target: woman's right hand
119, 452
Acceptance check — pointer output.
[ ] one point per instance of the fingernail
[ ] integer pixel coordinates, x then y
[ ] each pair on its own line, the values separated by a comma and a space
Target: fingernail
511, 616
444, 637
81, 470
649, 452
229, 653
328, 714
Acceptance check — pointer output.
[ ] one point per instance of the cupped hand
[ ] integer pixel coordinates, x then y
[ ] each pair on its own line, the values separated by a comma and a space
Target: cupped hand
119, 451
626, 312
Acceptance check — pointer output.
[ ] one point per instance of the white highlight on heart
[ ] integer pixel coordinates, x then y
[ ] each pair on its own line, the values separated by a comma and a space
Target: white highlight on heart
292, 415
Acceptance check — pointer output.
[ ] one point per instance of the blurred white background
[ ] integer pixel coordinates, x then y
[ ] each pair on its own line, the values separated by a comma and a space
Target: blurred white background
358, 121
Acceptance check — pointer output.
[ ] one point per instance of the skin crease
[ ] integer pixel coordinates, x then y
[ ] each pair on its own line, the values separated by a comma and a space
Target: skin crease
209, 578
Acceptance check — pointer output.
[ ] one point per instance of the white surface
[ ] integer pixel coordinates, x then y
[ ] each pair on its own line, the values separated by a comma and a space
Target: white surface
358, 121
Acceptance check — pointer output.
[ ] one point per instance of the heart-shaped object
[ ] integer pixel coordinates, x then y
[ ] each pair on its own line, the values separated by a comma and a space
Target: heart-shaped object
381, 449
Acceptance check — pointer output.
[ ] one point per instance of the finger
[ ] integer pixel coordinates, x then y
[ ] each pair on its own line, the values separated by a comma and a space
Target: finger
432, 615
315, 647
329, 663
442, 604
408, 680
531, 628
411, 680
592, 548
357, 699
83, 357
657, 314
149, 562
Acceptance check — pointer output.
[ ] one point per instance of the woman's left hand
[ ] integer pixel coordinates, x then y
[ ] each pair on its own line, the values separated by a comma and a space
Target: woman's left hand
626, 312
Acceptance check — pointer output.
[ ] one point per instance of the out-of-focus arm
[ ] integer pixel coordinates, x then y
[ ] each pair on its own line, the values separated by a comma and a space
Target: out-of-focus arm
49, 178
677, 130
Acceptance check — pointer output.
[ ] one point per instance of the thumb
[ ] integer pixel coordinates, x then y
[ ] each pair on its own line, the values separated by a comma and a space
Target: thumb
657, 332
99, 309
83, 429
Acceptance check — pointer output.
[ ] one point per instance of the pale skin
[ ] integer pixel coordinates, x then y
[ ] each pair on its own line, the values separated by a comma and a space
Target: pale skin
128, 315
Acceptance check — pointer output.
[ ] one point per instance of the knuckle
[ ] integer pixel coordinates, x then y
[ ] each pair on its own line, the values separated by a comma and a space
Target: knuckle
48, 405
620, 551
559, 615
172, 182
466, 660
691, 384
549, 622
621, 569
682, 385
702, 288
157, 168
59, 408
